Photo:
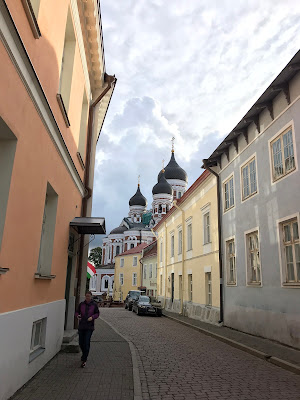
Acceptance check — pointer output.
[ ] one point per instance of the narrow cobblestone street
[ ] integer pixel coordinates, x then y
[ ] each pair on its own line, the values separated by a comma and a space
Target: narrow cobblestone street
176, 362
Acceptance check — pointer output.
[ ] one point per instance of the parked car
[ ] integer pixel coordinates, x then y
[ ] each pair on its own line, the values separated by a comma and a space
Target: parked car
143, 306
131, 296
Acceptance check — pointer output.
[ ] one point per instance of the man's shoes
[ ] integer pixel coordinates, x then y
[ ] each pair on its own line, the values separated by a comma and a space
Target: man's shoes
83, 364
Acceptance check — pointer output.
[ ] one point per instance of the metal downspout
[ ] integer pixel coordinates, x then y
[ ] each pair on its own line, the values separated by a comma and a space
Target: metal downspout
183, 253
220, 239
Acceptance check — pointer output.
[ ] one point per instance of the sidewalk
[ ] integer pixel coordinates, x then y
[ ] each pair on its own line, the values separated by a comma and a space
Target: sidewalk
273, 352
108, 374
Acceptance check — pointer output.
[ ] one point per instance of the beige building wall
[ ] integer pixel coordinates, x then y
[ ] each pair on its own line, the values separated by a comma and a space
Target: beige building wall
188, 279
149, 280
128, 269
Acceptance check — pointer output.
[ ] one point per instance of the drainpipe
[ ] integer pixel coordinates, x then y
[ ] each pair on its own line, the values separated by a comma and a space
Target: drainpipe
166, 267
220, 238
111, 82
183, 252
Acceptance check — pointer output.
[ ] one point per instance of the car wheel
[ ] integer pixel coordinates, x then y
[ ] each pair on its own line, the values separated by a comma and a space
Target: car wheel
130, 308
138, 312
126, 306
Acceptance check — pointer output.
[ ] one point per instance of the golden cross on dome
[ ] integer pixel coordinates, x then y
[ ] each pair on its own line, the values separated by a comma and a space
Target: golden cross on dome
163, 165
172, 140
139, 180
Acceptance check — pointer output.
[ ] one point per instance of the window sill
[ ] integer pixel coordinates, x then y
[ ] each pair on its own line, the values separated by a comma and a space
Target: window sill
283, 176
3, 270
41, 276
63, 109
31, 18
231, 284
228, 209
35, 353
291, 284
254, 284
80, 160
249, 197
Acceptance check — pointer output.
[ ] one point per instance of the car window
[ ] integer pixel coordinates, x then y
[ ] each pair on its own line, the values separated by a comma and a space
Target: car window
144, 299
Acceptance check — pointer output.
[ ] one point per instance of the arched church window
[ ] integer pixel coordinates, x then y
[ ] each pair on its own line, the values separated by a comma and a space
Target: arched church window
117, 250
132, 245
160, 209
106, 283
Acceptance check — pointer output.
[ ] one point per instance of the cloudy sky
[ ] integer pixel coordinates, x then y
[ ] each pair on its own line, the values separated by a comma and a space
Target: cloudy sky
189, 69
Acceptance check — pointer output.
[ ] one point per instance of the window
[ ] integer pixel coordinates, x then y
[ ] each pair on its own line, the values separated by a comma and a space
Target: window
160, 286
121, 279
134, 262
83, 128
134, 279
117, 250
179, 195
145, 271
180, 242
249, 185
8, 143
189, 237
132, 245
253, 259
190, 287
155, 270
231, 272
150, 271
47, 232
172, 245
161, 251
105, 283
66, 72
31, 8
206, 219
228, 194
122, 262
282, 149
291, 251
160, 209
38, 335
208, 289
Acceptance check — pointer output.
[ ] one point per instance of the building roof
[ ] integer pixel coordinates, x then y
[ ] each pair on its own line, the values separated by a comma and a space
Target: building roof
280, 83
174, 171
186, 195
162, 186
138, 199
150, 250
119, 229
135, 250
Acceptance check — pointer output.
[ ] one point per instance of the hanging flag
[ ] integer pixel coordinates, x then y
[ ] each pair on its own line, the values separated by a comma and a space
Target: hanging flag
91, 270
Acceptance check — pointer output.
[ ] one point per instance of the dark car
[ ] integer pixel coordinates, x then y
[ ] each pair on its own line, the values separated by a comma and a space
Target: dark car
143, 306
131, 296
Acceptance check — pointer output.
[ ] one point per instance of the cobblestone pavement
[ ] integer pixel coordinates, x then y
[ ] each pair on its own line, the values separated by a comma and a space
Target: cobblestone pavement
178, 363
108, 375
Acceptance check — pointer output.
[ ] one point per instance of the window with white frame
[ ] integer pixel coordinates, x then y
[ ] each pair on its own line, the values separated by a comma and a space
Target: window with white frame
38, 334
249, 185
189, 237
150, 271
134, 279
180, 242
179, 195
291, 251
228, 194
208, 288
117, 250
282, 150
160, 285
172, 245
253, 258
161, 251
206, 225
190, 287
155, 270
121, 279
145, 271
122, 262
134, 262
230, 253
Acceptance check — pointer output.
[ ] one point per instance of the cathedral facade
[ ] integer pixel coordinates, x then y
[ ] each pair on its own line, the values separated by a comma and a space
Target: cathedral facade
137, 227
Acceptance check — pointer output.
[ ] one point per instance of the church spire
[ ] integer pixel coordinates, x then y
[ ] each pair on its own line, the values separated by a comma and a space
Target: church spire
172, 140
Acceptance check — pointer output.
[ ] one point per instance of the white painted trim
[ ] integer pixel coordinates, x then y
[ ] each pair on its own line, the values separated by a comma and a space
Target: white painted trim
279, 240
286, 126
20, 60
189, 272
223, 192
241, 178
260, 134
206, 208
207, 269
226, 266
246, 233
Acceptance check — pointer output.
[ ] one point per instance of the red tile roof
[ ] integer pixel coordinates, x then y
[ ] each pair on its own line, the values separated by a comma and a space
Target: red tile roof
135, 250
151, 251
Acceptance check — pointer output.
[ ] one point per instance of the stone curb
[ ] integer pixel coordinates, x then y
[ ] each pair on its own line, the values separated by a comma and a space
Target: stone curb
274, 360
137, 387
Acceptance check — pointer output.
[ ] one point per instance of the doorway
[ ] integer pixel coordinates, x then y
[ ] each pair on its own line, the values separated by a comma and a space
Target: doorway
172, 287
67, 291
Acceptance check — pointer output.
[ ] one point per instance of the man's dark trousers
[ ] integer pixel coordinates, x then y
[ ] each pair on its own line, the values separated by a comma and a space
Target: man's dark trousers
84, 342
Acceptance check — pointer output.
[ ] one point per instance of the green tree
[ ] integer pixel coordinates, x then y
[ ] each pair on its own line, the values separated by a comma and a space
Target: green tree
95, 256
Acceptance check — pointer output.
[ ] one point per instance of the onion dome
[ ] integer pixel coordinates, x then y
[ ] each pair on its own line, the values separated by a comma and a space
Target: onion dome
119, 229
174, 171
163, 185
138, 199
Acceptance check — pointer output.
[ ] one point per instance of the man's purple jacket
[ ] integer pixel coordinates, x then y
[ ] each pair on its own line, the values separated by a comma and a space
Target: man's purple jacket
87, 310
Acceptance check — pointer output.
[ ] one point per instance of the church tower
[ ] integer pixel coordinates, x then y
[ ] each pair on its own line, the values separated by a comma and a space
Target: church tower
137, 206
162, 198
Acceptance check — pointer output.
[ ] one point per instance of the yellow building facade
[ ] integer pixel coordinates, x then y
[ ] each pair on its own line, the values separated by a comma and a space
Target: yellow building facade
128, 272
188, 279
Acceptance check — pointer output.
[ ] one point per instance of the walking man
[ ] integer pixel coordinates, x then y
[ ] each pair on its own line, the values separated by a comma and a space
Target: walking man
86, 313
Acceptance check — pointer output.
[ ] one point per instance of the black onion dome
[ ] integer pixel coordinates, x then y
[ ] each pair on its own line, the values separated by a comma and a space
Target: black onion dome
174, 171
119, 229
162, 186
138, 199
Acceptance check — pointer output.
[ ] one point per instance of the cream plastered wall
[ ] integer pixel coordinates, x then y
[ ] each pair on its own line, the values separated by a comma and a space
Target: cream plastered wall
202, 258
120, 291
150, 283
